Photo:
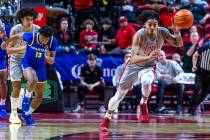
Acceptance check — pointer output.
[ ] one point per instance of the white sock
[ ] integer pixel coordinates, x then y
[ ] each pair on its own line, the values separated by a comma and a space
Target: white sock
3, 101
28, 94
143, 101
107, 115
30, 111
14, 105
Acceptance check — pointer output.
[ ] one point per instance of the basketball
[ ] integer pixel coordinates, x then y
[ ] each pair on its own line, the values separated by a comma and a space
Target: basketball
183, 18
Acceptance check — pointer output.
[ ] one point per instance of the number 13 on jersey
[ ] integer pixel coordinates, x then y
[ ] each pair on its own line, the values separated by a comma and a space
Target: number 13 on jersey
38, 54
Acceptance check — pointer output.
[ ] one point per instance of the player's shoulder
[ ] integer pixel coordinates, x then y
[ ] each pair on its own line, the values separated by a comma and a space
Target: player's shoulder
53, 39
162, 29
36, 26
120, 67
16, 27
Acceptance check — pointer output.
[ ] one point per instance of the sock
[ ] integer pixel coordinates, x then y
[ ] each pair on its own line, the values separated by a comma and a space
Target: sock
143, 101
2, 101
28, 94
107, 115
14, 105
30, 111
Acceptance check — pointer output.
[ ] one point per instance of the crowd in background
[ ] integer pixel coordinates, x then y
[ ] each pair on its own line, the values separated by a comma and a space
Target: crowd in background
108, 26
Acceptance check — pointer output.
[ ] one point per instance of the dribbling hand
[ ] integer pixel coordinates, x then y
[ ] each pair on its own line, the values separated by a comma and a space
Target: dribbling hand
174, 27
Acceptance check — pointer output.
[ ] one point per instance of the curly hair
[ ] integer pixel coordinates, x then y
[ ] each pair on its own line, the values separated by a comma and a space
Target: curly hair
26, 12
147, 15
46, 31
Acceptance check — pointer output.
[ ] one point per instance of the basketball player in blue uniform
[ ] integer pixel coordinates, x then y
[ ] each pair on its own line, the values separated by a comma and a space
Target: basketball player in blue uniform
3, 73
3, 82
40, 47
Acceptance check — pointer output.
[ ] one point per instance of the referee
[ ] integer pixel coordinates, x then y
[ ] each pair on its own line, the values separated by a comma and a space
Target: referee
201, 66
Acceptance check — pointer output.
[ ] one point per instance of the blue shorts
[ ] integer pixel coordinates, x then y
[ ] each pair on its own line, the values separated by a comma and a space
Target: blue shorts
3, 64
39, 69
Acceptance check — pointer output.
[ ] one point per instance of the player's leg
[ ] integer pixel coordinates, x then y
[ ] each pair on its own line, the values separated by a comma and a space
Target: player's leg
31, 78
36, 101
126, 82
15, 76
39, 74
146, 81
3, 89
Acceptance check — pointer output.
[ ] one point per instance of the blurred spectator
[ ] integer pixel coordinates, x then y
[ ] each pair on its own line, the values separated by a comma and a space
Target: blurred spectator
176, 57
186, 34
167, 71
189, 50
203, 21
129, 10
91, 78
88, 38
106, 33
197, 10
123, 37
82, 10
200, 2
137, 86
64, 37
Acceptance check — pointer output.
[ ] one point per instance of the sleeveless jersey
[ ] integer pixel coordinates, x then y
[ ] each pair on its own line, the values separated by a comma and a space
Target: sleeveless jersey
19, 29
149, 44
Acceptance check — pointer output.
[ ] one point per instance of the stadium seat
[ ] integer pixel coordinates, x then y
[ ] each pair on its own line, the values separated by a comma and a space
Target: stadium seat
144, 7
169, 50
200, 30
207, 21
163, 9
207, 28
207, 36
135, 26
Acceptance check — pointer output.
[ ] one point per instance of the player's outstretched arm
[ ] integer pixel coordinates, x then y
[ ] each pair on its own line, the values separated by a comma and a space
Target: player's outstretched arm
4, 45
136, 58
174, 39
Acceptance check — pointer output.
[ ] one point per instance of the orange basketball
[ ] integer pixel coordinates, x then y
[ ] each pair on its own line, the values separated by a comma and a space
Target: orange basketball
183, 18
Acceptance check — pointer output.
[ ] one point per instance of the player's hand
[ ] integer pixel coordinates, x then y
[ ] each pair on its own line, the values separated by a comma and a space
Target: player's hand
174, 27
2, 33
154, 54
47, 53
4, 45
194, 69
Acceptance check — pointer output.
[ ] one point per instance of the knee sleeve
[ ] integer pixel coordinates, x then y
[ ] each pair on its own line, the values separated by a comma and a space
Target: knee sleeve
115, 100
146, 81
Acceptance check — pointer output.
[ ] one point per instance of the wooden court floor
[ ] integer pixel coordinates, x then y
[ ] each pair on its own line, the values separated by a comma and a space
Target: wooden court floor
79, 126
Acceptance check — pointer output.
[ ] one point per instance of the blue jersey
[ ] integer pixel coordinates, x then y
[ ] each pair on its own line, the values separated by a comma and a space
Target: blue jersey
35, 51
3, 52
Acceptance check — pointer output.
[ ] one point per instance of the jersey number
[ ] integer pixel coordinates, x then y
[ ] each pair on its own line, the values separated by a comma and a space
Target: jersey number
38, 54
